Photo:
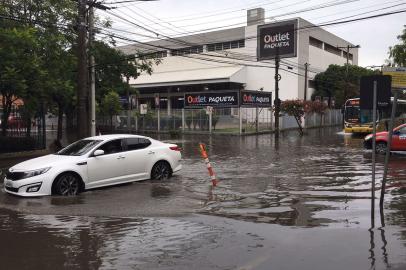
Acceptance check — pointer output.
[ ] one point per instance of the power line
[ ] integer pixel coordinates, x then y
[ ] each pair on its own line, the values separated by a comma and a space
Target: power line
298, 29
312, 8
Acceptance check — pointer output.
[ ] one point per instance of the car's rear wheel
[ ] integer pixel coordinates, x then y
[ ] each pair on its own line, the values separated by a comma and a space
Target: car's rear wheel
67, 184
161, 171
381, 148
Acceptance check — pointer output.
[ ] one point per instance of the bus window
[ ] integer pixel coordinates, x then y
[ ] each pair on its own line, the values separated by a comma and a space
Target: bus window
352, 114
366, 116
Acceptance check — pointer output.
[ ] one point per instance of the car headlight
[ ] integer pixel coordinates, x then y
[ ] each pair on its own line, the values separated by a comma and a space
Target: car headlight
33, 173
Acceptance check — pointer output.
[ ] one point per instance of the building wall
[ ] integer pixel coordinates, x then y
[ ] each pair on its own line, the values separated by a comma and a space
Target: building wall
291, 85
318, 58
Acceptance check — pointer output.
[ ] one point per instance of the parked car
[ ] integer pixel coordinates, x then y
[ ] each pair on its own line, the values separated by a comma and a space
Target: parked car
398, 140
15, 122
94, 162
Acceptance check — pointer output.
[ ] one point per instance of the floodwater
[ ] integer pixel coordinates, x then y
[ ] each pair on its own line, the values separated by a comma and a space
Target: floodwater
294, 203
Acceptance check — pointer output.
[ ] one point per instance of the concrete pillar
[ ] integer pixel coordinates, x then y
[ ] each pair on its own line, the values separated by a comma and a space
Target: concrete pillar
169, 103
240, 115
183, 119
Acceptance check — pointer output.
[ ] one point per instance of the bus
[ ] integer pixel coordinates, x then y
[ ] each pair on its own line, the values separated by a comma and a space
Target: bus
359, 121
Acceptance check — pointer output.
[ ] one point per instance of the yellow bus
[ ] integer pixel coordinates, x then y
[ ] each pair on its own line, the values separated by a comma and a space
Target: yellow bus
359, 121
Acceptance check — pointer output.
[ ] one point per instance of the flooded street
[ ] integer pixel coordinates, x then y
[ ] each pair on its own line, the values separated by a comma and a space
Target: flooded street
295, 203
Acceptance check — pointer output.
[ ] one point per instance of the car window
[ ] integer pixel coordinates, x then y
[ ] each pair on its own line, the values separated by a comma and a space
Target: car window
137, 143
78, 148
402, 131
111, 147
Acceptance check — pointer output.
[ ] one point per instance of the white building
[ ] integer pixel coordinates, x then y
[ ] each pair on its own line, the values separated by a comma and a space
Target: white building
227, 60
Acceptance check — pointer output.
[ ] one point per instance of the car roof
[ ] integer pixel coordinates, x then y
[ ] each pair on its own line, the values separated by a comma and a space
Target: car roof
115, 136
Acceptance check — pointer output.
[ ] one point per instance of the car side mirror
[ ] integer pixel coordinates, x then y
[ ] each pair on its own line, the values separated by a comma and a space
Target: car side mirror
396, 132
98, 152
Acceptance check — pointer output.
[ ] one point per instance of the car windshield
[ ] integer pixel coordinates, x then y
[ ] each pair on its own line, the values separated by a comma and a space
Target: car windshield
78, 148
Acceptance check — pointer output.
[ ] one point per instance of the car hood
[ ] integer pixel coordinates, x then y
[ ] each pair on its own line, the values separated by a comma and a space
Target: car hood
44, 161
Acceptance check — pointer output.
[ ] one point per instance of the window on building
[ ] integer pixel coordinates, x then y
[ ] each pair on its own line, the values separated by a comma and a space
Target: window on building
331, 49
218, 47
226, 45
188, 50
234, 44
311, 84
315, 42
153, 55
210, 47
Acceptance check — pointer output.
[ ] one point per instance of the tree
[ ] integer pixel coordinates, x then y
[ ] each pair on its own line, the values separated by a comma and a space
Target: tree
397, 53
110, 106
38, 59
334, 82
19, 67
299, 108
43, 57
113, 67
295, 108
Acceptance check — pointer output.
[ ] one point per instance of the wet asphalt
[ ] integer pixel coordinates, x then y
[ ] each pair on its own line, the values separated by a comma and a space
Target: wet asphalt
292, 203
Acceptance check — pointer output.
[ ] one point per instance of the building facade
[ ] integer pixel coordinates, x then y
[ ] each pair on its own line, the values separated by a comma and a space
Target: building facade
227, 60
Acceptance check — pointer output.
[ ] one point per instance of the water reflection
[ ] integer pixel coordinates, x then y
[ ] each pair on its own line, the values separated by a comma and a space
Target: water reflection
315, 180
96, 243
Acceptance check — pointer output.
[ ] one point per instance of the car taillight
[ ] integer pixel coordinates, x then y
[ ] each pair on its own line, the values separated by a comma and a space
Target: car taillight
175, 148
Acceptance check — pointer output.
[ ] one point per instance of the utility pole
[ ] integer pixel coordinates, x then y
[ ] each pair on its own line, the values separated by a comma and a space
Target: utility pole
92, 99
277, 100
348, 47
82, 118
305, 84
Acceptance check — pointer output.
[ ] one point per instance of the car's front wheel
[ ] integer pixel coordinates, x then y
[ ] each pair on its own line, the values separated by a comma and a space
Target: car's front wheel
161, 171
67, 184
381, 148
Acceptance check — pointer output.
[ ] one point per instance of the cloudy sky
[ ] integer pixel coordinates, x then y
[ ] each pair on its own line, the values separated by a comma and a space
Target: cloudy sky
144, 21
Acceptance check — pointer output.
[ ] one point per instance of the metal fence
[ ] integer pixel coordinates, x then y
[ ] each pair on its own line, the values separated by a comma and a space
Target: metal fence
23, 135
222, 120
329, 118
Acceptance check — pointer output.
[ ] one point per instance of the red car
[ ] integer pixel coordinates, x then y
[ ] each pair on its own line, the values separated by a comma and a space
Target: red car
398, 140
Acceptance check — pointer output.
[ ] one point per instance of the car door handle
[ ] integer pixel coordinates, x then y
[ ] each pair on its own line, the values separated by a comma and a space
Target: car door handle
151, 152
121, 157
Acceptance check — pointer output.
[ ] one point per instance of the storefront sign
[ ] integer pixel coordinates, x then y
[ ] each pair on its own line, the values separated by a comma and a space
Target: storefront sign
214, 99
256, 99
143, 108
277, 39
398, 75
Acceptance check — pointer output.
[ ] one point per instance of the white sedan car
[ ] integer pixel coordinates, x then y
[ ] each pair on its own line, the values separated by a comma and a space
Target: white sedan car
94, 162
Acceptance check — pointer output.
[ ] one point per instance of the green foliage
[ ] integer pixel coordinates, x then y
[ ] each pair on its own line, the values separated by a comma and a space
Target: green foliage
19, 67
112, 66
38, 60
397, 53
111, 104
334, 82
